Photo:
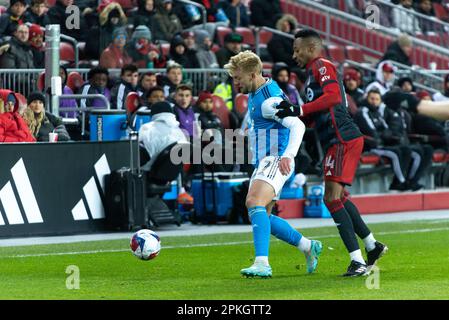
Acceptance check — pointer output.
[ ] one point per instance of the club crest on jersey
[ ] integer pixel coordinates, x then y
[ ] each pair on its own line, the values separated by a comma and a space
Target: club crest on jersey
310, 94
322, 70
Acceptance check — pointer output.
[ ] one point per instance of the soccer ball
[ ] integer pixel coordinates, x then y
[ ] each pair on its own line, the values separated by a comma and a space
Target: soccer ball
145, 244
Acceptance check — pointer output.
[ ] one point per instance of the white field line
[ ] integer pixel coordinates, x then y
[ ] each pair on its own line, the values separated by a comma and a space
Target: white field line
213, 244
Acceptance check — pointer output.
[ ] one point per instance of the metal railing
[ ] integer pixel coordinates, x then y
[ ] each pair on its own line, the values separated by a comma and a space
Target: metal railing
329, 13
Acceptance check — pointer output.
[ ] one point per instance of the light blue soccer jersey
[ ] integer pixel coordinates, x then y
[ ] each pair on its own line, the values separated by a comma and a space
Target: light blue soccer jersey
266, 135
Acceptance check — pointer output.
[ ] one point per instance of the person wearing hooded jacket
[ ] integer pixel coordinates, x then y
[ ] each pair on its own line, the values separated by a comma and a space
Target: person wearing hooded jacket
12, 127
281, 74
205, 56
281, 47
14, 16
162, 131
168, 23
178, 53
142, 52
36, 41
385, 77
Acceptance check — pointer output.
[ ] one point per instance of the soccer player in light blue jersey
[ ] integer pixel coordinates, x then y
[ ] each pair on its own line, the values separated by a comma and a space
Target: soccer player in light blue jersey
274, 144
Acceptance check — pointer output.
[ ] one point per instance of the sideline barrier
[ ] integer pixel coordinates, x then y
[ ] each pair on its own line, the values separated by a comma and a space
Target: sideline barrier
56, 188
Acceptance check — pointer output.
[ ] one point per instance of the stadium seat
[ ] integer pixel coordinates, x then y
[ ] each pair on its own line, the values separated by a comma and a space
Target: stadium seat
369, 158
247, 34
354, 54
165, 48
440, 11
22, 99
126, 4
3, 9
221, 32
265, 36
215, 48
336, 53
51, 3
352, 106
293, 78
241, 104
66, 52
41, 82
221, 111
439, 156
74, 81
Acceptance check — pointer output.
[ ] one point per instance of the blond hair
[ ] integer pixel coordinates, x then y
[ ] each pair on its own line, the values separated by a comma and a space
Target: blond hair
33, 121
246, 61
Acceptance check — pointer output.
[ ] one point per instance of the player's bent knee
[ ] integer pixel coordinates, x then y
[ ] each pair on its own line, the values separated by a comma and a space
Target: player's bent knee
254, 201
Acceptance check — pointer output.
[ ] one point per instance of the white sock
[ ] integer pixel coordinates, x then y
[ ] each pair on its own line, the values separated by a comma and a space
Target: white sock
263, 260
369, 242
357, 256
304, 244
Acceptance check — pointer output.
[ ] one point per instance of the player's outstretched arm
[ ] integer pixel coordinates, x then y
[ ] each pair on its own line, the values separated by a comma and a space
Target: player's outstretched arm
438, 110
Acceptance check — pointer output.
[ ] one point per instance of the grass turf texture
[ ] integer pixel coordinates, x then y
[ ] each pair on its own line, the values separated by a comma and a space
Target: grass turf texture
416, 267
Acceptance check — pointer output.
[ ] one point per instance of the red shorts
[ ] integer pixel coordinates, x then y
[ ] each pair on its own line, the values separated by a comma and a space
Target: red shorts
341, 161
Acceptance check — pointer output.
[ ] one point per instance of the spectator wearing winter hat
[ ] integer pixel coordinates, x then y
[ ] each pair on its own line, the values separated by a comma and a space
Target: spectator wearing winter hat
36, 41
385, 76
423, 95
12, 127
168, 22
352, 81
210, 123
232, 46
205, 56
37, 13
142, 52
191, 47
111, 17
145, 15
406, 84
178, 53
444, 95
13, 17
281, 74
281, 47
115, 55
40, 122
97, 84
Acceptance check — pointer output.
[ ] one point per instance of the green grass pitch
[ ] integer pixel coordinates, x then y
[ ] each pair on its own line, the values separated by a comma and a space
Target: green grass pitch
207, 267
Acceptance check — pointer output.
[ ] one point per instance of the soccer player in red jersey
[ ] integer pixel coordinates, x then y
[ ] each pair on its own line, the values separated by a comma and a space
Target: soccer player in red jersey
342, 141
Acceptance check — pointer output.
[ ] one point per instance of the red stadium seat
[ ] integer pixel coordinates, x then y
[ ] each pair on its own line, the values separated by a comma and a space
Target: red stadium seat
439, 156
434, 38
336, 53
3, 9
126, 4
66, 52
41, 82
369, 158
165, 48
221, 111
440, 11
247, 34
241, 104
354, 54
74, 81
215, 48
22, 99
221, 32
265, 36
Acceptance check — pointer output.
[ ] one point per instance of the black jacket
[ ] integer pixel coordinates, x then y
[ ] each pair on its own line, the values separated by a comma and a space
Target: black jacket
281, 50
31, 17
19, 56
8, 24
50, 123
265, 12
57, 15
395, 53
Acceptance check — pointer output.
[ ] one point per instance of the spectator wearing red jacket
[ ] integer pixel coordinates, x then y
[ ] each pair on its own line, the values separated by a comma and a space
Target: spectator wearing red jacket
115, 55
142, 51
12, 127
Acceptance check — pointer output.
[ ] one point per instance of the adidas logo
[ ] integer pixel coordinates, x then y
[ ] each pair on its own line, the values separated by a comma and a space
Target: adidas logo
11, 212
92, 194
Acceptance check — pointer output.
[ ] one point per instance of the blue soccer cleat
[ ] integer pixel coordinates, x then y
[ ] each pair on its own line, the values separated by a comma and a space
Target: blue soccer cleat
257, 270
312, 256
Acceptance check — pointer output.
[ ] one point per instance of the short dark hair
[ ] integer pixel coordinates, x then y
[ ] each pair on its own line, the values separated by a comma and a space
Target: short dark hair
307, 33
151, 90
376, 91
97, 70
184, 86
129, 67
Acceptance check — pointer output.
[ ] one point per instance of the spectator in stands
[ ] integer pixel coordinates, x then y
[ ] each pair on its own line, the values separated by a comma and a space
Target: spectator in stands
147, 81
115, 55
281, 47
13, 17
404, 20
37, 13
168, 23
184, 110
427, 25
70, 104
172, 79
97, 84
145, 15
232, 46
12, 127
205, 56
211, 126
236, 12
385, 76
128, 83
155, 94
301, 77
36, 40
19, 54
406, 84
265, 12
111, 18
179, 54
227, 92
381, 140
191, 47
400, 50
352, 82
142, 52
58, 14
40, 122
162, 131
281, 74
444, 95
423, 95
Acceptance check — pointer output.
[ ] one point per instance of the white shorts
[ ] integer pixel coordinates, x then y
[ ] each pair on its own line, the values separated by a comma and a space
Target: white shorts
268, 171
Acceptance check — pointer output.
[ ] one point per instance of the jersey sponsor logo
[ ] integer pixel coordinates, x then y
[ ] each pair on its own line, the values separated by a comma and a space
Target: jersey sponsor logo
325, 78
322, 70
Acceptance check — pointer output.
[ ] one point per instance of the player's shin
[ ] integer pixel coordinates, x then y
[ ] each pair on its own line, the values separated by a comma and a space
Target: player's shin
261, 233
282, 230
